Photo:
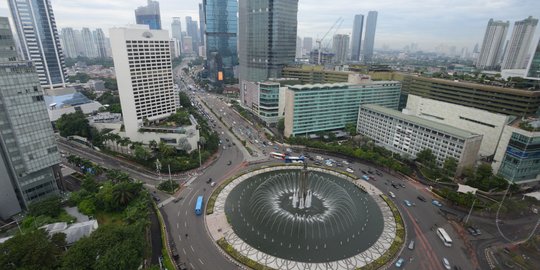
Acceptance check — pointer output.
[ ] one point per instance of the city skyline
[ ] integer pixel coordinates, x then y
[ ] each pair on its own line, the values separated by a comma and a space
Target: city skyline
460, 23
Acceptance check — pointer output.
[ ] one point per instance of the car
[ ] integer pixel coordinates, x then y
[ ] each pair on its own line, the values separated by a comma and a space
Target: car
209, 180
370, 171
229, 163
407, 203
339, 165
411, 245
395, 186
328, 163
156, 198
474, 231
436, 203
373, 178
446, 264
224, 147
400, 262
364, 172
392, 194
319, 158
178, 199
402, 185
420, 197
317, 163
345, 162
212, 184
311, 158
349, 170
378, 173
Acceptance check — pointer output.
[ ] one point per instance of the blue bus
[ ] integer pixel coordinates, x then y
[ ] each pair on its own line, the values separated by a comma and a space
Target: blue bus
199, 205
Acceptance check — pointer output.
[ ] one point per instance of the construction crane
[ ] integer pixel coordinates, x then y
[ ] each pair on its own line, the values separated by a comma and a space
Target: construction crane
336, 24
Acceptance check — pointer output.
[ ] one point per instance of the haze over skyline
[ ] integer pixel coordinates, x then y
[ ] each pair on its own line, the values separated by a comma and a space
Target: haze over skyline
428, 23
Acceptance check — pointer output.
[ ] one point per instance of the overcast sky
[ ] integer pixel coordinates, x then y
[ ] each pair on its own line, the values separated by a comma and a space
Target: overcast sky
429, 23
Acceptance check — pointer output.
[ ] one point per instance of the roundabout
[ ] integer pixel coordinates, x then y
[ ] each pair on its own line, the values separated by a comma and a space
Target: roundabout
289, 217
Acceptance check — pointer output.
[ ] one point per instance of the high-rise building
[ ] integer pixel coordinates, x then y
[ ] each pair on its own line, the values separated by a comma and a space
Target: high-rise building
515, 56
69, 42
142, 62
221, 37
369, 40
149, 15
534, 65
492, 47
267, 33
340, 47
176, 32
100, 42
39, 40
308, 45
358, 25
202, 24
298, 47
192, 30
89, 43
187, 44
28, 152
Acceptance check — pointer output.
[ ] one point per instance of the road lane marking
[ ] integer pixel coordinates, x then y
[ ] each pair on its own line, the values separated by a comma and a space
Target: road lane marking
185, 224
191, 248
179, 237
178, 213
184, 250
177, 226
186, 212
201, 261
192, 267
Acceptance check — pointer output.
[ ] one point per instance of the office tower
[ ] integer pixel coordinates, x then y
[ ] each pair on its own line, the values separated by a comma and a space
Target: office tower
142, 62
202, 24
79, 45
175, 48
28, 151
176, 32
267, 33
308, 45
358, 25
149, 15
534, 66
39, 40
88, 42
69, 42
298, 47
340, 47
221, 37
369, 40
492, 46
516, 53
100, 43
187, 44
192, 30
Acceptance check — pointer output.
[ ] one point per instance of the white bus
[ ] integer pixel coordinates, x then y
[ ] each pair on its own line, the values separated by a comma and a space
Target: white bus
444, 237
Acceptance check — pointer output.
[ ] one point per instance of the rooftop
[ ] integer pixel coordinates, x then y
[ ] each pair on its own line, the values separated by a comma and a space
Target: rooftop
457, 132
335, 85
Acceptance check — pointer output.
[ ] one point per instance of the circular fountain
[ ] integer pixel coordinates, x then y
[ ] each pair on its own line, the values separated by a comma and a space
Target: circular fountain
303, 215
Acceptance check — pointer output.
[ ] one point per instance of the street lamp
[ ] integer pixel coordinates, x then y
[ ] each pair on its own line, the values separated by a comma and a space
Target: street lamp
158, 169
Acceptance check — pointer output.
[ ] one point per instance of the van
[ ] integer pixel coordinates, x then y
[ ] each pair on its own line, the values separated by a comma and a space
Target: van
411, 245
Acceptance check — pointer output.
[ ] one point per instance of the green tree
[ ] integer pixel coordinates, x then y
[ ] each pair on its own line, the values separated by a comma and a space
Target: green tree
184, 100
153, 145
351, 128
51, 207
90, 184
31, 250
165, 150
124, 192
73, 124
281, 125
426, 157
117, 176
450, 166
141, 153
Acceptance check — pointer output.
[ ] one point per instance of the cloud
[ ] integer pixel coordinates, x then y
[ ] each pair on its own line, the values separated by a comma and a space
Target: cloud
426, 22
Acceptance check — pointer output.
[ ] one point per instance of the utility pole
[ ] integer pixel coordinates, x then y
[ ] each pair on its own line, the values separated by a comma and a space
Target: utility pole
158, 169
199, 149
170, 178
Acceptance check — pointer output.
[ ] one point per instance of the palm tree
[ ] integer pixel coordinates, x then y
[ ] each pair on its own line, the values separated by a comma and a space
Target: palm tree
124, 142
165, 150
115, 138
123, 193
153, 145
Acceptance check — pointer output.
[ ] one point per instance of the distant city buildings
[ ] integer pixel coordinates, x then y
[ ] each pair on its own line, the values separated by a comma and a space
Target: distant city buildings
149, 15
221, 38
176, 32
84, 43
492, 48
369, 40
307, 45
298, 47
39, 41
28, 152
192, 30
358, 26
340, 46
202, 23
267, 38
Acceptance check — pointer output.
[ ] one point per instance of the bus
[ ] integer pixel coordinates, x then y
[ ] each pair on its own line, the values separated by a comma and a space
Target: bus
199, 205
444, 237
277, 155
289, 159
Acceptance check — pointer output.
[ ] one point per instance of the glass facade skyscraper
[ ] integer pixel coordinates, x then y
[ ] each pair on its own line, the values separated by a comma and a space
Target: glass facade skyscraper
149, 15
534, 65
28, 152
39, 40
267, 37
358, 25
369, 40
221, 29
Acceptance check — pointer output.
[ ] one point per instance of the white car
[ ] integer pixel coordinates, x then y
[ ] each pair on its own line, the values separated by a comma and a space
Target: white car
349, 170
446, 263
392, 194
212, 184
345, 162
319, 158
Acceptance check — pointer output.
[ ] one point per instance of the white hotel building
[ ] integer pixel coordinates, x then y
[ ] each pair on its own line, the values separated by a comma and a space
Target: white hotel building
408, 135
142, 61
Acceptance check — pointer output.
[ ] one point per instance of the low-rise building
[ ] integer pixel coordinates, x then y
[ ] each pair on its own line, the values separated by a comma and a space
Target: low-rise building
489, 124
518, 154
408, 135
315, 108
